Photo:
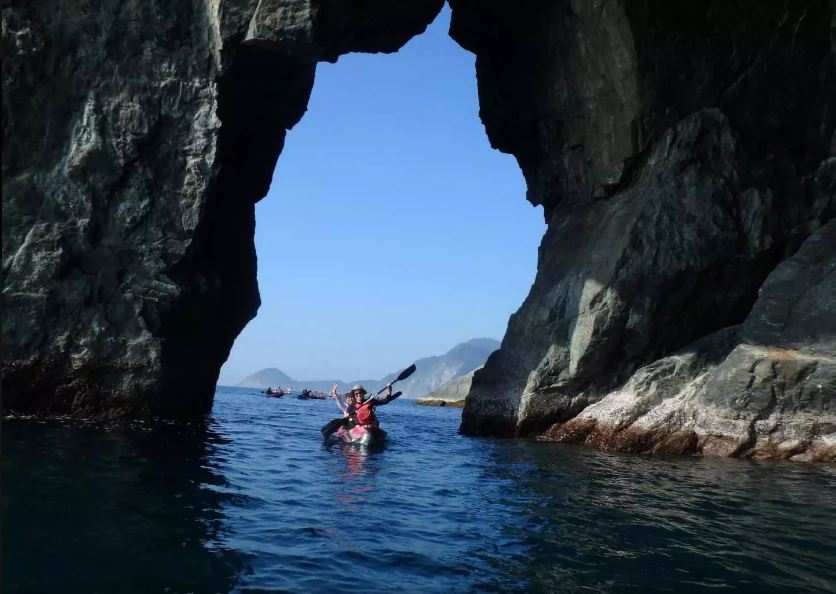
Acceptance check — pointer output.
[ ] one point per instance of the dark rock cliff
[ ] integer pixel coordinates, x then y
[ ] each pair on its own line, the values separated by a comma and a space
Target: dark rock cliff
683, 153
137, 137
681, 150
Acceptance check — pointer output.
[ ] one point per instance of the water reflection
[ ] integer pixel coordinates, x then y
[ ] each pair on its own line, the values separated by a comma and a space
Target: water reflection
355, 459
87, 510
593, 522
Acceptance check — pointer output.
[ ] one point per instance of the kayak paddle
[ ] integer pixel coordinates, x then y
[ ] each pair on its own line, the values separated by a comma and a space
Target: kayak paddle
402, 376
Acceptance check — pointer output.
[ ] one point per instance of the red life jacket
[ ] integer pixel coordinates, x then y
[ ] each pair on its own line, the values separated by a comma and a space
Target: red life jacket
365, 414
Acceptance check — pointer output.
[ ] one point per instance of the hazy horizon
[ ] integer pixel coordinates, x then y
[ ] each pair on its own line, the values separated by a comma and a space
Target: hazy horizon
392, 231
353, 378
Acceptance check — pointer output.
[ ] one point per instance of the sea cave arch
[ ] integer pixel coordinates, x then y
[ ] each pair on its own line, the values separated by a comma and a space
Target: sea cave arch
137, 136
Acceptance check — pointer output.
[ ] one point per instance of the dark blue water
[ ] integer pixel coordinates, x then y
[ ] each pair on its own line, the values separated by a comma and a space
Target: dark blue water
253, 502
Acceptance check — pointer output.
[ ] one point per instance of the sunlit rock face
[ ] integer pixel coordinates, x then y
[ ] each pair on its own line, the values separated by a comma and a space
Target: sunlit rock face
137, 137
683, 152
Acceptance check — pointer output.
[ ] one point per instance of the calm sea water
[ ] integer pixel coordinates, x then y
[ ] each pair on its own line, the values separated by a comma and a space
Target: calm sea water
252, 501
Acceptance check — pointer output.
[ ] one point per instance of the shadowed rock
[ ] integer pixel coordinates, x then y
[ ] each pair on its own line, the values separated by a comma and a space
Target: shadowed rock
137, 138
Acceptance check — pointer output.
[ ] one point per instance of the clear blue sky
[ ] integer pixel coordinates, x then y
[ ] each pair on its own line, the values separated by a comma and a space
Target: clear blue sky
392, 230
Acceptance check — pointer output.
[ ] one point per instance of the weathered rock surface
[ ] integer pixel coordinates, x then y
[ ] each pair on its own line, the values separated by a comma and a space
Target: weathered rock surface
769, 393
616, 275
681, 152
137, 137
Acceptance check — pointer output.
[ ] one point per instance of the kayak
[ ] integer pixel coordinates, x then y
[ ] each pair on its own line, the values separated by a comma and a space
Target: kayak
358, 435
369, 435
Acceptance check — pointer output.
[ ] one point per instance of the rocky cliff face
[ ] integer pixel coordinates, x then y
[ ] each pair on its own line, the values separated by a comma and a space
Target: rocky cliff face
682, 151
137, 137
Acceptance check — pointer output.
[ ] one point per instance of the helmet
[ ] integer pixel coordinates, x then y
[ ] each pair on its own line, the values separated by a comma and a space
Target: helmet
359, 388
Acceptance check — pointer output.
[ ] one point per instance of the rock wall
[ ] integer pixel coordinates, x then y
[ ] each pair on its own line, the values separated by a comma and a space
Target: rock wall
682, 152
137, 137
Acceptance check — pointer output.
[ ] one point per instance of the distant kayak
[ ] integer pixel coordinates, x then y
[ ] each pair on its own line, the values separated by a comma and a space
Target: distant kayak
307, 394
278, 393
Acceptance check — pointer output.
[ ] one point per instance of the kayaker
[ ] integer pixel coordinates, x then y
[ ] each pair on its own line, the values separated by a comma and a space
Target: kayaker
364, 407
356, 408
352, 403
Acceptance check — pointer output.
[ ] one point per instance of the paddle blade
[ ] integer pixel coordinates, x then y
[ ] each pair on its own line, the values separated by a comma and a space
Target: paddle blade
402, 376
332, 426
406, 373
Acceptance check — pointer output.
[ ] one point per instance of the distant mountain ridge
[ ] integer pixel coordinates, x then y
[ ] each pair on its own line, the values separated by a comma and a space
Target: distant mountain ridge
431, 372
454, 390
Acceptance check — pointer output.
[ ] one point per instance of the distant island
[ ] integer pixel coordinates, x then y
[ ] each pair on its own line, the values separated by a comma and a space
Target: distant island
431, 374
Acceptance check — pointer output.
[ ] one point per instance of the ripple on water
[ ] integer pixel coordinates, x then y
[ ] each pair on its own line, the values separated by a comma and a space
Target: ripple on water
254, 502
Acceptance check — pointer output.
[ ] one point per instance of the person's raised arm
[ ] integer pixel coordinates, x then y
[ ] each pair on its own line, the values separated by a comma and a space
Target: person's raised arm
340, 400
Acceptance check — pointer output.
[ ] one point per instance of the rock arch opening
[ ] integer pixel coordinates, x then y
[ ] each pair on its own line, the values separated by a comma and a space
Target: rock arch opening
390, 221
